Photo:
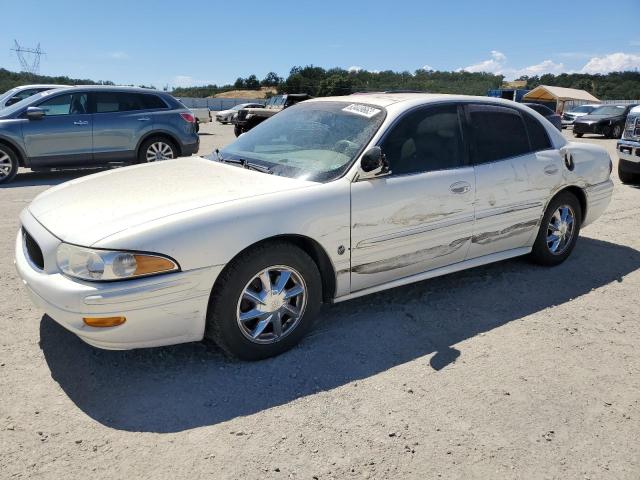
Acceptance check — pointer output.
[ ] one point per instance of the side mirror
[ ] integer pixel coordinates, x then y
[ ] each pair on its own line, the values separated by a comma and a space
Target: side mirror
35, 113
373, 164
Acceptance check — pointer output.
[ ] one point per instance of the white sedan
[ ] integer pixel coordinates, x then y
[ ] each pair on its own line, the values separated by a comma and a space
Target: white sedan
331, 199
226, 116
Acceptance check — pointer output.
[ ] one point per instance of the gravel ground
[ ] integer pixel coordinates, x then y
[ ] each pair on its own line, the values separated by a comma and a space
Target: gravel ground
504, 371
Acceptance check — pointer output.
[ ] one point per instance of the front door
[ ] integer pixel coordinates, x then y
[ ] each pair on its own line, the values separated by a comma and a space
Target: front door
421, 216
64, 136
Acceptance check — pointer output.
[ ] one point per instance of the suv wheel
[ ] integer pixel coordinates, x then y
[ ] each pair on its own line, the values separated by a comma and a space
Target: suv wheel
264, 302
8, 164
156, 149
617, 131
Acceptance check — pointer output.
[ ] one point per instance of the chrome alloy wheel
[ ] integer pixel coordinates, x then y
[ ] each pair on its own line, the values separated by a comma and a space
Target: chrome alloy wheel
560, 229
271, 304
159, 151
6, 164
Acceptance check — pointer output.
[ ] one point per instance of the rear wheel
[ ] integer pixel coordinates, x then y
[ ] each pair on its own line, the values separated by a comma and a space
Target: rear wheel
155, 149
8, 164
559, 230
264, 302
237, 130
577, 135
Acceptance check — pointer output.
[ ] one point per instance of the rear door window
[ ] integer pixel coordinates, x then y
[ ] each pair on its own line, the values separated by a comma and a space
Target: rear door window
109, 102
537, 134
498, 133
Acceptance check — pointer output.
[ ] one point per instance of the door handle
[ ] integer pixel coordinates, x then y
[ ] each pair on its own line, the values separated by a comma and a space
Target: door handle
460, 187
81, 122
144, 119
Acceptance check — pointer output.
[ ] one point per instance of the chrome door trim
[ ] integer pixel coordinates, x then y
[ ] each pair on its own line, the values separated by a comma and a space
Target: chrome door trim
371, 242
507, 209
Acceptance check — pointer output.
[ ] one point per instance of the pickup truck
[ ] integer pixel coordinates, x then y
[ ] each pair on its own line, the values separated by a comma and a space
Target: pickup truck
250, 117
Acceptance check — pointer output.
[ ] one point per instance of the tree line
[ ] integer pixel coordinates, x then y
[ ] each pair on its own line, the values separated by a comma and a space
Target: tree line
318, 81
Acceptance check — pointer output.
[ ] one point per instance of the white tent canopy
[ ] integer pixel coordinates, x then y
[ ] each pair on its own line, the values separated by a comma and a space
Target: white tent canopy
560, 95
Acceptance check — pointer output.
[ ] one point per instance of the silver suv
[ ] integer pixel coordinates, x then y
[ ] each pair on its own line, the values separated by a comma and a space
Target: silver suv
90, 126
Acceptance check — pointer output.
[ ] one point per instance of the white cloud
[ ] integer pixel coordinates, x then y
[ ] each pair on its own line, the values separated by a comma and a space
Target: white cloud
547, 66
427, 68
493, 65
614, 62
498, 64
119, 55
182, 81
354, 69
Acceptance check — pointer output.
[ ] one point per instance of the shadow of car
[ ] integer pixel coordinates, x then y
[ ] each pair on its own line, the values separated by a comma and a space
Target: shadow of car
181, 387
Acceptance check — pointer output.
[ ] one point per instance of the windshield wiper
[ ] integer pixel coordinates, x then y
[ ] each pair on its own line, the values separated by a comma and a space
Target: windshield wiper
242, 162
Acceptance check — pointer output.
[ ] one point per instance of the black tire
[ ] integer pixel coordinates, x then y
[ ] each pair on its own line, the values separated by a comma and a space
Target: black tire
541, 252
577, 135
237, 130
617, 131
607, 132
627, 177
223, 325
142, 151
197, 125
8, 164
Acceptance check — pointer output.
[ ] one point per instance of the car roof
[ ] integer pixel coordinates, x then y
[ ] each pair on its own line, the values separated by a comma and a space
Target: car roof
118, 88
40, 85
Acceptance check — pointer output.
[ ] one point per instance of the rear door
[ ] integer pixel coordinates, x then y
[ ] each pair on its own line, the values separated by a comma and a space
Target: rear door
63, 137
120, 120
421, 216
515, 170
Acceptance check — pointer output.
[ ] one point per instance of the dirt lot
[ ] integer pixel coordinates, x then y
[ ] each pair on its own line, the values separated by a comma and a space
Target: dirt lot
504, 371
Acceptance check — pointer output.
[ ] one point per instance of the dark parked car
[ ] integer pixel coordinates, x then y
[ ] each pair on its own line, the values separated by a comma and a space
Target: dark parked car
607, 120
547, 113
93, 126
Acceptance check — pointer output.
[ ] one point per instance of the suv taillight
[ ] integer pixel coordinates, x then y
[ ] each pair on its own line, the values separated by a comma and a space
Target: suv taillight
187, 117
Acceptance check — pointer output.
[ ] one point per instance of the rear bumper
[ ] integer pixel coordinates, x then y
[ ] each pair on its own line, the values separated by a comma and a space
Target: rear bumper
191, 147
629, 152
598, 199
161, 310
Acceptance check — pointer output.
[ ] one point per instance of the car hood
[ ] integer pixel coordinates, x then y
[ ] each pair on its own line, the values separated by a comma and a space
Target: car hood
88, 209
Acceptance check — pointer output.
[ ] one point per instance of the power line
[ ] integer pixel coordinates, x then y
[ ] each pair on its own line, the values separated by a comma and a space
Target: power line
29, 58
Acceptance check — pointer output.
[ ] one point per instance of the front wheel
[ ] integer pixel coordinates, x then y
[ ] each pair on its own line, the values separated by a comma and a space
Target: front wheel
558, 231
264, 302
237, 130
617, 131
627, 177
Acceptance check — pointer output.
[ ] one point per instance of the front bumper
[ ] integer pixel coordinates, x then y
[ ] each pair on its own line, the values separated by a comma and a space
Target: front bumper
629, 151
581, 127
160, 310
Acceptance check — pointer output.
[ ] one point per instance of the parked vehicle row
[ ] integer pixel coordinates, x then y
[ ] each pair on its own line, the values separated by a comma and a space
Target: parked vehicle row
371, 192
606, 120
91, 126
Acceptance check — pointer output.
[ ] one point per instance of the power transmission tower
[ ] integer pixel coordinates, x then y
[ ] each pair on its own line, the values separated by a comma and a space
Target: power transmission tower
29, 58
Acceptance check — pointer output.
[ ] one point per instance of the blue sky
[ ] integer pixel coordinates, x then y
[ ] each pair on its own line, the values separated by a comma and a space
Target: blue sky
199, 42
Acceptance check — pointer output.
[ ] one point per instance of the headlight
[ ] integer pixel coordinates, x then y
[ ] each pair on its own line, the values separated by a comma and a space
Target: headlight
90, 264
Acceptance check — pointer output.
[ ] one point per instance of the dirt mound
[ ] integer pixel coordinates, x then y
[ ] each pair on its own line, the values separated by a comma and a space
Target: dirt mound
262, 93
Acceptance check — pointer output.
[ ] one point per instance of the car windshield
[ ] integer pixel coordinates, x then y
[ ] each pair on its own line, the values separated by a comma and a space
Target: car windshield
314, 141
8, 93
583, 109
609, 110
24, 103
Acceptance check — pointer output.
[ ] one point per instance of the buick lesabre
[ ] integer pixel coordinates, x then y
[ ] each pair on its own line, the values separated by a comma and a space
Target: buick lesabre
331, 199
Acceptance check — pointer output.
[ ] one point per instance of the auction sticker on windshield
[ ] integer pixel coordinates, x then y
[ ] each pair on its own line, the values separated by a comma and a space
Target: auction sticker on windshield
364, 110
